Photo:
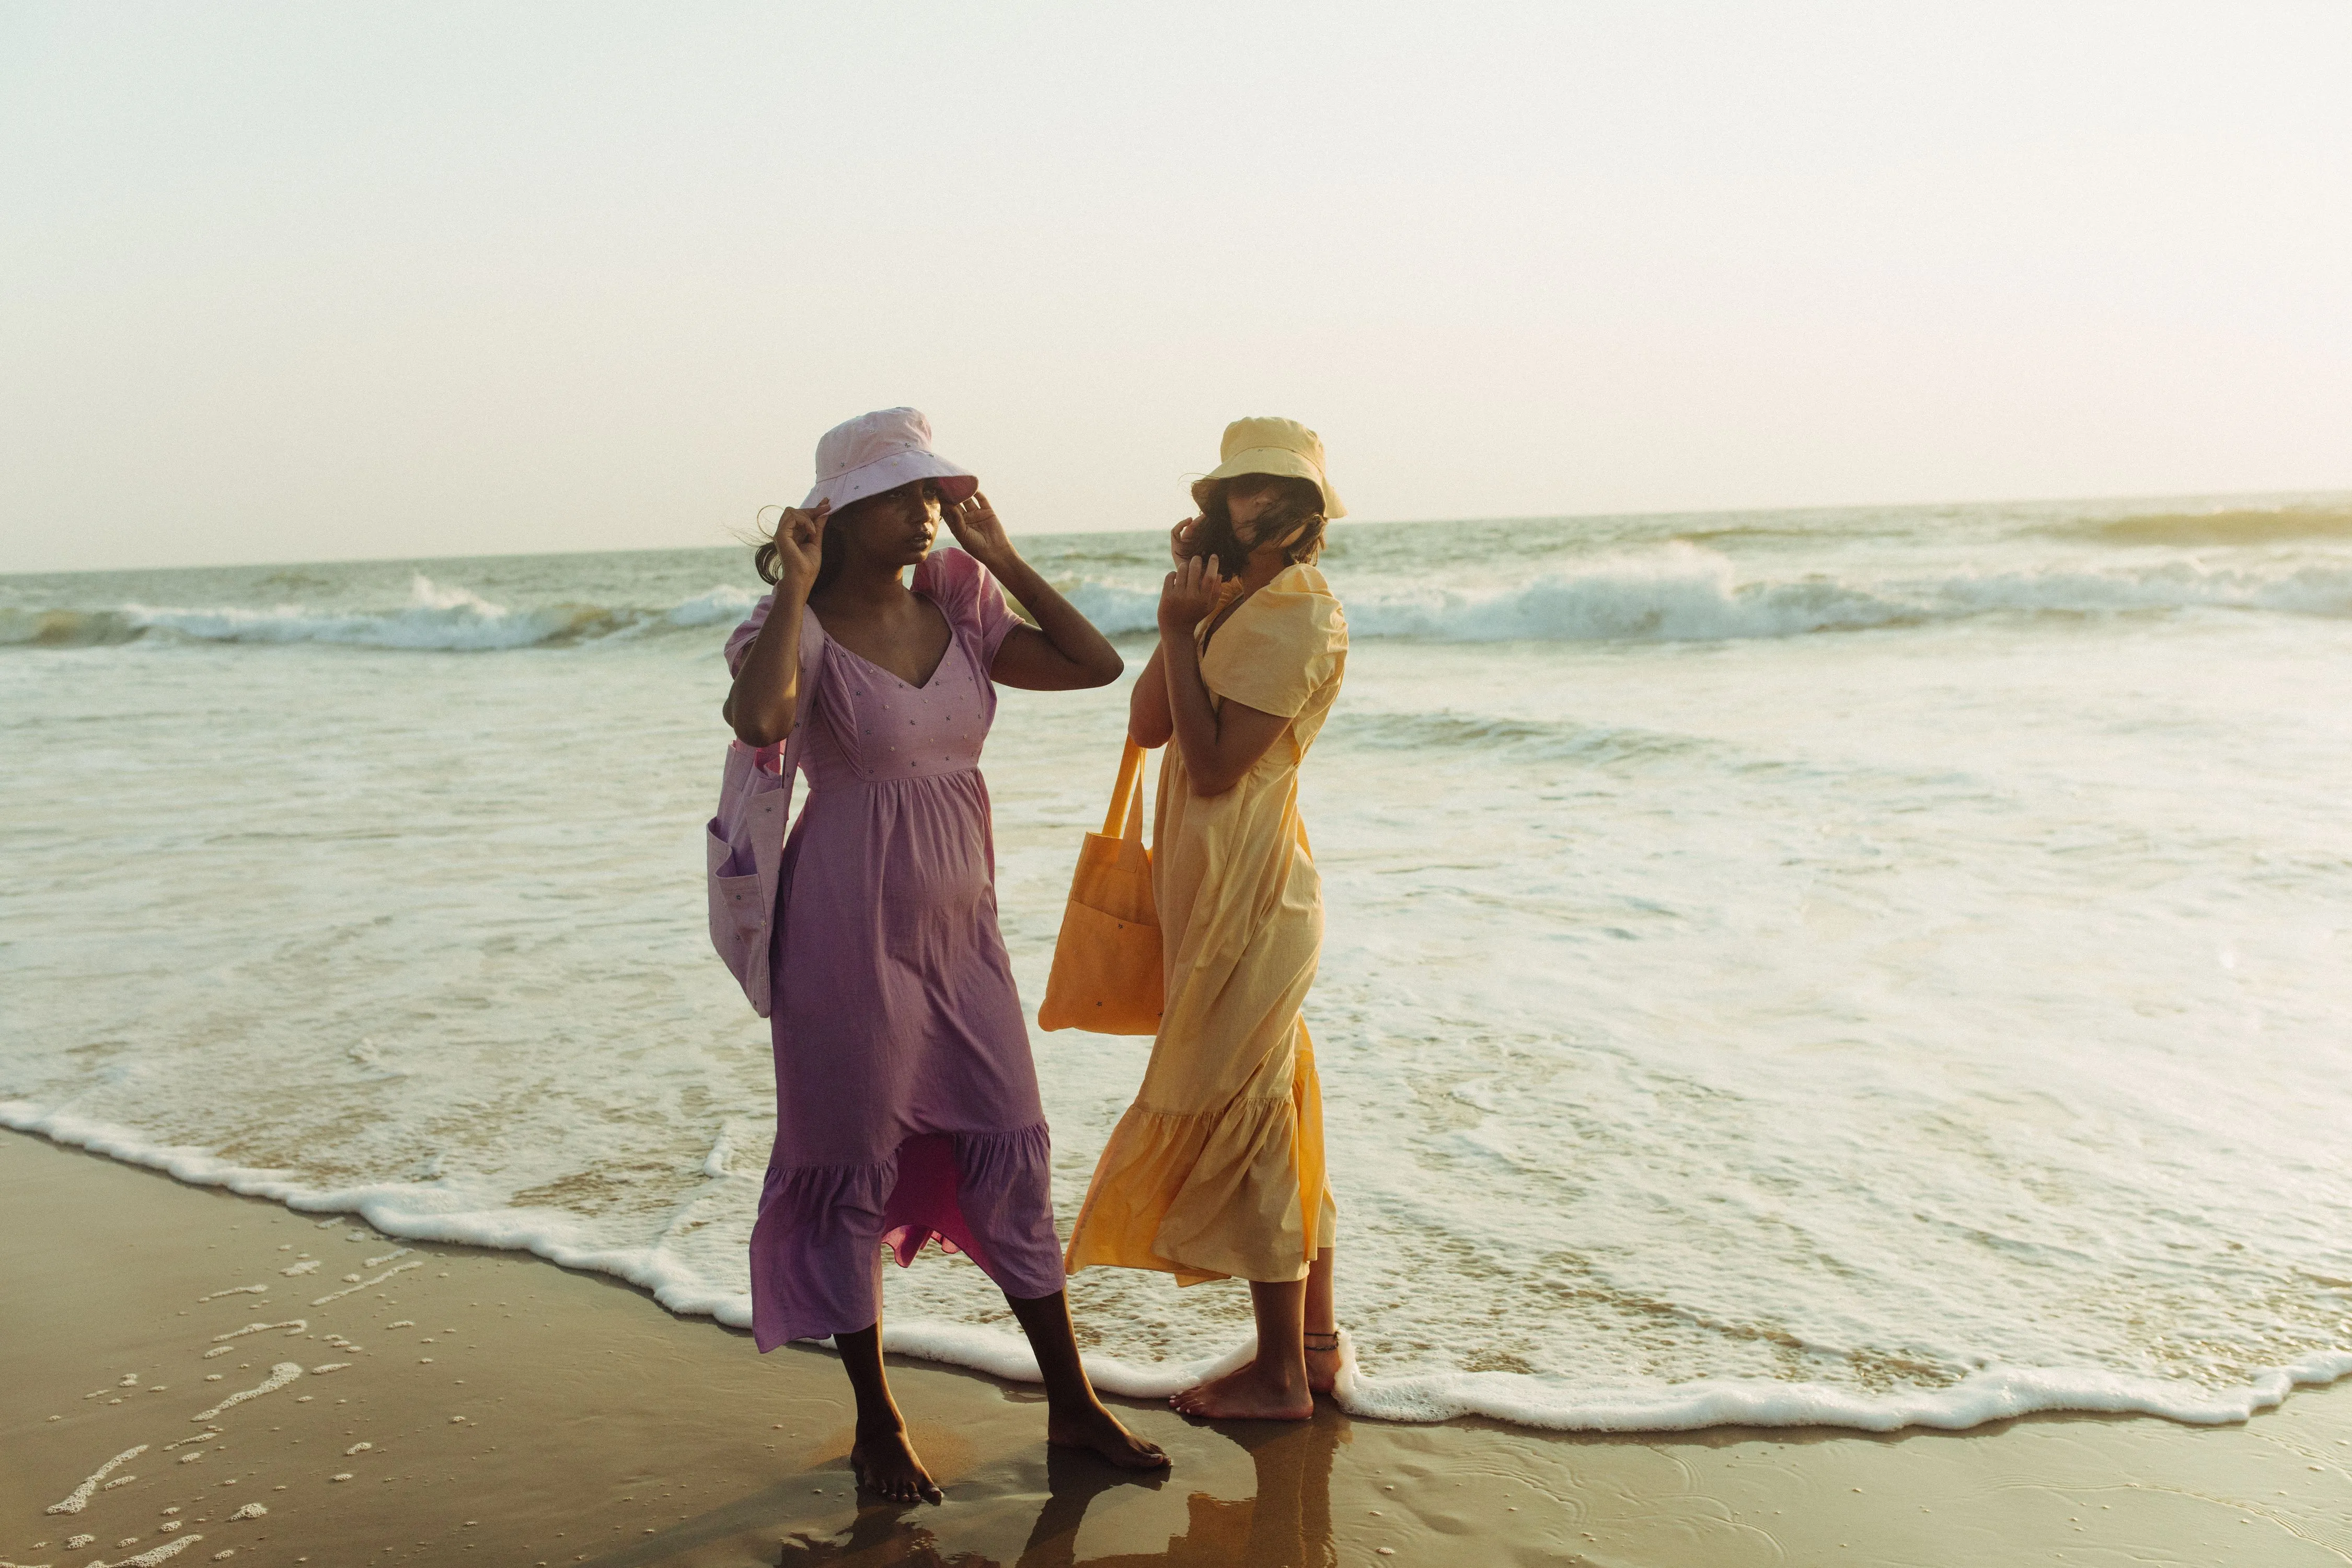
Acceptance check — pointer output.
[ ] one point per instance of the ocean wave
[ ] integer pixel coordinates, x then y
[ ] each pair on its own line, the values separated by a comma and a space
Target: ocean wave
415, 1213
2243, 525
1682, 593
724, 606
1116, 611
1521, 740
1679, 593
436, 618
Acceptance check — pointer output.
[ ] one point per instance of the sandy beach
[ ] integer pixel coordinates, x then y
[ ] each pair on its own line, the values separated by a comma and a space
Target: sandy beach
1743, 616
470, 1405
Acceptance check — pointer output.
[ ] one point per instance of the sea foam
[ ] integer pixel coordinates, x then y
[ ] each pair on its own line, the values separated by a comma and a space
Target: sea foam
1675, 593
1733, 1006
1683, 593
436, 618
1548, 1402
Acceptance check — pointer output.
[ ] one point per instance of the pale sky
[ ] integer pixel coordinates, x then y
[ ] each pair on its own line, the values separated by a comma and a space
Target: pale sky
308, 281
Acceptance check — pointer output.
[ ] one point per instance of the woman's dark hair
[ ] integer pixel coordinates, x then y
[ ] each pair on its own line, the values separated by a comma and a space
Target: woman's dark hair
1298, 505
763, 554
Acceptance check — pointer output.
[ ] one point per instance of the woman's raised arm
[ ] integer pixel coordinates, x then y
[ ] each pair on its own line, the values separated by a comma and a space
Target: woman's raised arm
1063, 651
1220, 745
765, 697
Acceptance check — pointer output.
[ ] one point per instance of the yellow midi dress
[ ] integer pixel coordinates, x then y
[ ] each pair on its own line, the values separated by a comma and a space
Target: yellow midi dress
1216, 1171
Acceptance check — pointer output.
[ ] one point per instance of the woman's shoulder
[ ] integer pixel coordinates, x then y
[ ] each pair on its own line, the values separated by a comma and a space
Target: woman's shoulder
1300, 598
1303, 577
740, 640
1282, 651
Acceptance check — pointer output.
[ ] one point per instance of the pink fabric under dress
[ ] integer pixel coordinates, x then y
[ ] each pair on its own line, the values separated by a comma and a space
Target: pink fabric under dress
906, 1102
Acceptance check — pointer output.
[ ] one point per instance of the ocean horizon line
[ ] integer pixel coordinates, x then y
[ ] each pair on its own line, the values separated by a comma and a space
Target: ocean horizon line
2280, 498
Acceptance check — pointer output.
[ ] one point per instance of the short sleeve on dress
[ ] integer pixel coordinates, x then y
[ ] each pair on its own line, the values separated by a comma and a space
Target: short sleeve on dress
740, 640
1281, 648
968, 595
738, 648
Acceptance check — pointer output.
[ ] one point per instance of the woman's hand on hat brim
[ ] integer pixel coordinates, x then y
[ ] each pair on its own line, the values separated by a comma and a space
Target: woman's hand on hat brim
978, 530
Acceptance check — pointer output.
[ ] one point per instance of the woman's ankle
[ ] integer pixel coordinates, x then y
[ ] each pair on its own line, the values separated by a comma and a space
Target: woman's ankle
1067, 1407
1281, 1372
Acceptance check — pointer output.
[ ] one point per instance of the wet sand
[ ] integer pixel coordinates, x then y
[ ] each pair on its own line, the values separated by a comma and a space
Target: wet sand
513, 1412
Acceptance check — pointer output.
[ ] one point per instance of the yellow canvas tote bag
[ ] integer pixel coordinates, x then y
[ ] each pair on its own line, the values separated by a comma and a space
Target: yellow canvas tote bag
1106, 967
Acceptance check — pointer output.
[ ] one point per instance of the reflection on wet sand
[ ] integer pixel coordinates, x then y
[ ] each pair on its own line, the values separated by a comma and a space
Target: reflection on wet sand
1286, 1521
599, 1432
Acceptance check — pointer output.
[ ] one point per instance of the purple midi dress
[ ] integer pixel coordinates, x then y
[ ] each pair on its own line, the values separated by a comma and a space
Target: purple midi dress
907, 1104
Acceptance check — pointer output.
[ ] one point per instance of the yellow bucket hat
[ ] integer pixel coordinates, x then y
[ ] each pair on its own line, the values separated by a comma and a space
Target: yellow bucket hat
1267, 445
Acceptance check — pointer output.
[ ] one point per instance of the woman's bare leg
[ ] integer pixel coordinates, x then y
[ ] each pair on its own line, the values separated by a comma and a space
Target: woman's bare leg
1322, 1326
1271, 1385
883, 1460
1075, 1418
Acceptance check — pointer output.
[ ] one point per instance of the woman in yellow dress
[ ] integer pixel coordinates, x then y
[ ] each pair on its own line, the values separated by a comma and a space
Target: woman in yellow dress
1216, 1171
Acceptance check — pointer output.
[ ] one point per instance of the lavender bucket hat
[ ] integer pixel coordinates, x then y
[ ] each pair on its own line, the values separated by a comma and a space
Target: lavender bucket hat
880, 451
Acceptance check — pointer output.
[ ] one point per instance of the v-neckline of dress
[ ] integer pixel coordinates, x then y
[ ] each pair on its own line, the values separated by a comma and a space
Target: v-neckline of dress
926, 686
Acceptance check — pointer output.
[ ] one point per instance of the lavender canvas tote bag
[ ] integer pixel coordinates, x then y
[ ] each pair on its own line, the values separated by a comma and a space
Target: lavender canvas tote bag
743, 845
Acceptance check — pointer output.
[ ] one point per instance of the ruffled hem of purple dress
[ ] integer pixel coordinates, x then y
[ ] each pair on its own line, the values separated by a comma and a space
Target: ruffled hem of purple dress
817, 1251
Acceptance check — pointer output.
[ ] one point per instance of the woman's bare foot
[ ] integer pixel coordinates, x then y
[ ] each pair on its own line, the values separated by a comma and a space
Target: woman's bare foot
884, 1464
1249, 1393
1099, 1432
1322, 1368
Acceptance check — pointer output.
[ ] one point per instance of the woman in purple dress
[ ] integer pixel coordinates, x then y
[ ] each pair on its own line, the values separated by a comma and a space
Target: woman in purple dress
906, 1105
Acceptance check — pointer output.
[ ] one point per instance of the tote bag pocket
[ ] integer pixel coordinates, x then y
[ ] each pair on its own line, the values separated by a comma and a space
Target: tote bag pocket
1108, 975
739, 920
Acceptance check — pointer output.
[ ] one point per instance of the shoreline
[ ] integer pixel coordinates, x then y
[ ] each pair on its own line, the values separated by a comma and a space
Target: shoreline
552, 1418
1409, 1397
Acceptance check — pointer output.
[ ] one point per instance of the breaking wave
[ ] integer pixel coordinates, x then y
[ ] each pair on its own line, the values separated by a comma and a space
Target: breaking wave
1684, 594
1681, 593
437, 618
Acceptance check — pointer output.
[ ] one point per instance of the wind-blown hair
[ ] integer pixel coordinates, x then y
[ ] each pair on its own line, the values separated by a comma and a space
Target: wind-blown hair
1298, 505
763, 554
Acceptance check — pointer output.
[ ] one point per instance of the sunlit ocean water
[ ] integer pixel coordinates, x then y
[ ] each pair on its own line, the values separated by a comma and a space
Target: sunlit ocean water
1874, 966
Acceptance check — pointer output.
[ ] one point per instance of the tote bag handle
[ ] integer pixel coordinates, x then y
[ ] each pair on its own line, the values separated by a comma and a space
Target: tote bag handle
1127, 796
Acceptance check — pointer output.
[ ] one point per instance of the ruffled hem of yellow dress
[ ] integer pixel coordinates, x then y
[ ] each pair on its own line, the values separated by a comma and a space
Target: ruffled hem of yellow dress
1216, 1196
